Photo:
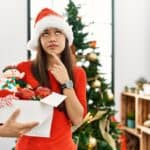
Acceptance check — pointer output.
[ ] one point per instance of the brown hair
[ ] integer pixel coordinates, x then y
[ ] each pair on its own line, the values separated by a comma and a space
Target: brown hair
39, 67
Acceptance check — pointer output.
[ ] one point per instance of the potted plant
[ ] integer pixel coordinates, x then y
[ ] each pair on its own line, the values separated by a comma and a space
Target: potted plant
131, 119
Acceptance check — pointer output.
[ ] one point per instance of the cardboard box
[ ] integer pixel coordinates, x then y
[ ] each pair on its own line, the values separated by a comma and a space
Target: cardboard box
41, 111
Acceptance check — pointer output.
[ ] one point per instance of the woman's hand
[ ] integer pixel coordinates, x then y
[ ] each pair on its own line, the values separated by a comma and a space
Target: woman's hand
59, 70
73, 106
12, 128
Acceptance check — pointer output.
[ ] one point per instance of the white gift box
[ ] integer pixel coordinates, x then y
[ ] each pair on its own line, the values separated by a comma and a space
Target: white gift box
40, 111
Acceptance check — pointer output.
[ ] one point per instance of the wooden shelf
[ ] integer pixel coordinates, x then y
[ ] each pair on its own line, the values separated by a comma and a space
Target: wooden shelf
132, 131
144, 97
129, 94
140, 104
144, 129
145, 142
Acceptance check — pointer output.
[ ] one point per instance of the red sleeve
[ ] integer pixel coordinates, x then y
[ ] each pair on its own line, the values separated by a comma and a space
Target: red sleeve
80, 86
28, 78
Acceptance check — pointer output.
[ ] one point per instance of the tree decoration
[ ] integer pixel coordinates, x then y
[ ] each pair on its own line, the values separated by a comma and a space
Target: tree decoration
92, 56
110, 94
106, 135
92, 44
92, 143
96, 84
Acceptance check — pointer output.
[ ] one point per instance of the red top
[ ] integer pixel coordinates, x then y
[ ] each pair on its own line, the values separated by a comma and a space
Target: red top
61, 135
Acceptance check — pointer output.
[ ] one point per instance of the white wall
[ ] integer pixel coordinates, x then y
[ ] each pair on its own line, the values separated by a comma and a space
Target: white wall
132, 43
13, 36
148, 31
12, 31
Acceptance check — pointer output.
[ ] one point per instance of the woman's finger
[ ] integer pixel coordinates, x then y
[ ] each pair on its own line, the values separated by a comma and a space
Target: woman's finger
28, 126
14, 115
57, 58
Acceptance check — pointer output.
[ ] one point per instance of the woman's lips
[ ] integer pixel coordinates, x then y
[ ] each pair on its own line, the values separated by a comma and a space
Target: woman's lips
52, 46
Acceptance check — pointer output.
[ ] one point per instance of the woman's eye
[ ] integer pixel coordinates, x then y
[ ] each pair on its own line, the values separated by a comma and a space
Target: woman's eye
45, 34
58, 32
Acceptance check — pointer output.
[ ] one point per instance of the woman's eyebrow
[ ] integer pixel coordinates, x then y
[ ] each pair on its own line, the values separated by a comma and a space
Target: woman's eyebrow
46, 30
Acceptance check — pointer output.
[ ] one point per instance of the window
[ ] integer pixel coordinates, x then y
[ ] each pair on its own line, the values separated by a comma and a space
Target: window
97, 15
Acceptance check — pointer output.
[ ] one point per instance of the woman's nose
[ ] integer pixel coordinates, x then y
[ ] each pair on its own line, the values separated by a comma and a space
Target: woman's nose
52, 37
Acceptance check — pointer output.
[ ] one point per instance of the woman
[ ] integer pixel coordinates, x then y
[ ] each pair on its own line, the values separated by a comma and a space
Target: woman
12, 128
53, 68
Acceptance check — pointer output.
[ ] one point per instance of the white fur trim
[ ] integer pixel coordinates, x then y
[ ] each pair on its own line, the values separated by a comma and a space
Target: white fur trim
46, 22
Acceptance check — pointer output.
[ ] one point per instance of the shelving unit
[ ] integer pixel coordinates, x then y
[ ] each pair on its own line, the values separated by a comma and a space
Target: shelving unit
145, 141
138, 138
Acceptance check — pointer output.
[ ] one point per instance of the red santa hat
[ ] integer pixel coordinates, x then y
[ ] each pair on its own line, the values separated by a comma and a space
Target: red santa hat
47, 18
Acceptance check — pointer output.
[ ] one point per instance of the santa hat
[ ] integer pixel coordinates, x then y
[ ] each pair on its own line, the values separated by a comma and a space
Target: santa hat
45, 19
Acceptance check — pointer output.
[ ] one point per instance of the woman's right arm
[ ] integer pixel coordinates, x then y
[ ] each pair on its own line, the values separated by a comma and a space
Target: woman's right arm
12, 128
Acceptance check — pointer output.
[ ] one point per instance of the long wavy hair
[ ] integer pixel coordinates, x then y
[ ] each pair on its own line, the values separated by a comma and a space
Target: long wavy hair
40, 68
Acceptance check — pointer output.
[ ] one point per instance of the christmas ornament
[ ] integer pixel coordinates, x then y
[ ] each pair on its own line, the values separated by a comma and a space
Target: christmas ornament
10, 78
92, 44
110, 94
90, 102
92, 56
92, 143
42, 92
96, 84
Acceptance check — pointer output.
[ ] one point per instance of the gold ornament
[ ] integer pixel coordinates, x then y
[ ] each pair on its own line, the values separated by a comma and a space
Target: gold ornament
110, 95
92, 56
92, 143
96, 84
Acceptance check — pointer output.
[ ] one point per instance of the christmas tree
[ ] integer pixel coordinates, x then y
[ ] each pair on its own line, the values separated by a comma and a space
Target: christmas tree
98, 129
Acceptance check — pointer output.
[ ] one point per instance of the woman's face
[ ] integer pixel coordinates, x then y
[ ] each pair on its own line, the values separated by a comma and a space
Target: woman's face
53, 41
